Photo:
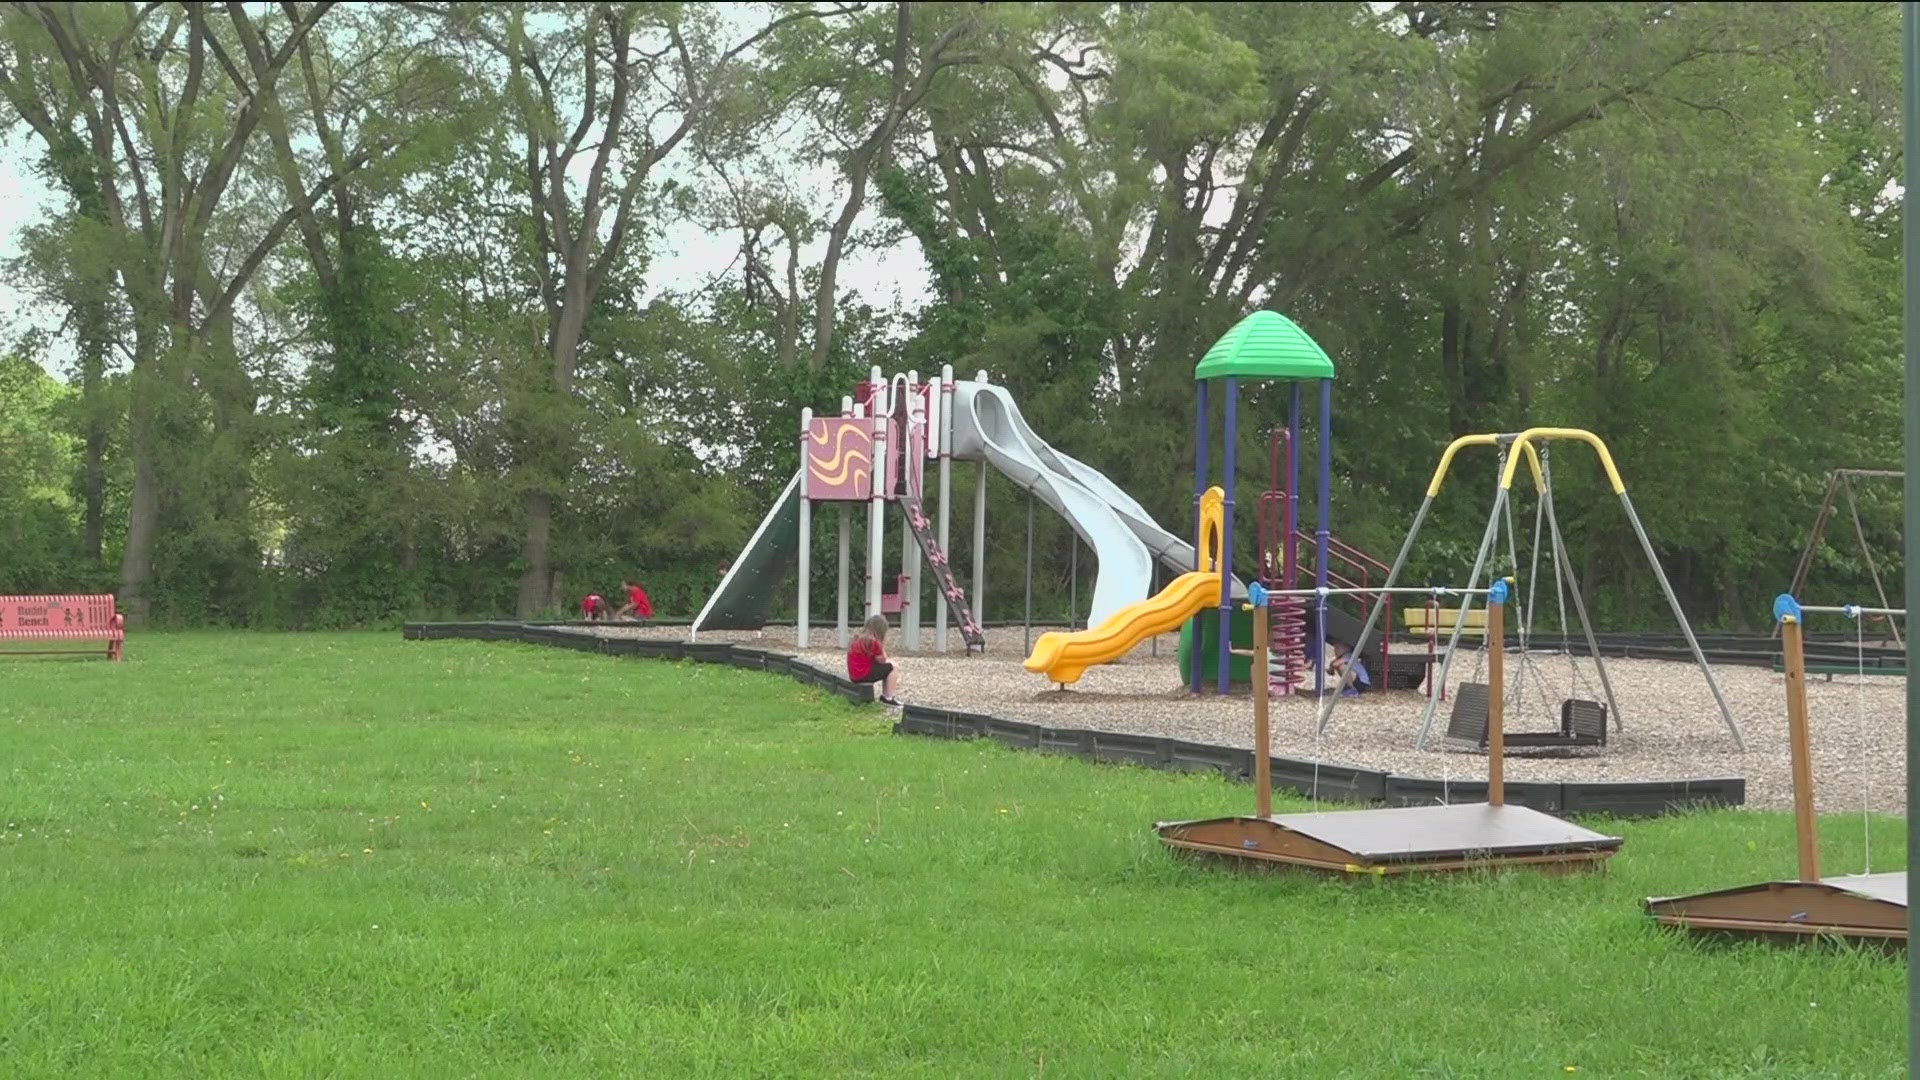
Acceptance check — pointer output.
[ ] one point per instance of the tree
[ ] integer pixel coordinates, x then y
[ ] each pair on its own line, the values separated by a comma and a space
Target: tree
168, 115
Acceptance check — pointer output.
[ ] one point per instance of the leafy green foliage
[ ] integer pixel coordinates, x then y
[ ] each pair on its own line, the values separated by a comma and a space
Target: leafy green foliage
399, 363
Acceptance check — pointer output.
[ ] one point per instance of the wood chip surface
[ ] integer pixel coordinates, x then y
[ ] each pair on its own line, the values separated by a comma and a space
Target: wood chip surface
1672, 728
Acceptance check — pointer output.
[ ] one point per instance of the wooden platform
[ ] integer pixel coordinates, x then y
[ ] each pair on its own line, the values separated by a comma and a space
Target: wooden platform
1857, 907
1398, 840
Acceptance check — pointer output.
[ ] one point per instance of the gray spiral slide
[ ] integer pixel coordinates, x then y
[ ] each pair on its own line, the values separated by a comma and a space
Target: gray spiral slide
987, 426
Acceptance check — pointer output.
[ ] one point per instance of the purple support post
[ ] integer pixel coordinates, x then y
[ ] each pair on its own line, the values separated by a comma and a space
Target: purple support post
1321, 532
1227, 478
1290, 564
1199, 530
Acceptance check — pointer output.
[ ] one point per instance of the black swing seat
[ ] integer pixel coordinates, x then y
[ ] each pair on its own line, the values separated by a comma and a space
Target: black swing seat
1582, 723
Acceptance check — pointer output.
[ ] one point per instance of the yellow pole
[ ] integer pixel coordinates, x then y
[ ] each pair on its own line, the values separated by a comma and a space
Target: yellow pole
1803, 823
1262, 737
1496, 698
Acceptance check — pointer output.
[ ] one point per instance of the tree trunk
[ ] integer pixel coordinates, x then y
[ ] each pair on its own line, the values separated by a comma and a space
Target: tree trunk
143, 520
548, 445
536, 581
92, 317
143, 503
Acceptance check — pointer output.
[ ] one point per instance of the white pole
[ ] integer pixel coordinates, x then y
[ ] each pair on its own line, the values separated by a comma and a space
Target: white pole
846, 553
910, 612
980, 533
805, 616
876, 514
942, 429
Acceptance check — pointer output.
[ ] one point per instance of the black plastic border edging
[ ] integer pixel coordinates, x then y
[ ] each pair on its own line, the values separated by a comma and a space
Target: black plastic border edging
1326, 781
1634, 798
571, 637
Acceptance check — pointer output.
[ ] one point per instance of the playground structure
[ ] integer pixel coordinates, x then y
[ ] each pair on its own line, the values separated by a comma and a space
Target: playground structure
1399, 840
1840, 482
876, 453
1513, 448
1865, 906
1264, 346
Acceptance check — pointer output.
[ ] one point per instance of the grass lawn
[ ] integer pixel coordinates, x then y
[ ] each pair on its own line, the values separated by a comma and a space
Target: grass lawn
352, 855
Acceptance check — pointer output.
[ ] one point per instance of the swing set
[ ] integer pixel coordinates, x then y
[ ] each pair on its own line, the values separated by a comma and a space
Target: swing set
1582, 721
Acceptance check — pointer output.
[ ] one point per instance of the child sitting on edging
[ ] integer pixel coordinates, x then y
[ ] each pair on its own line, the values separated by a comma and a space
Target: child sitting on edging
867, 659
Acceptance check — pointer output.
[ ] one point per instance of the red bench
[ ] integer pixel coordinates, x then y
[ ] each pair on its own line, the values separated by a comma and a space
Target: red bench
61, 618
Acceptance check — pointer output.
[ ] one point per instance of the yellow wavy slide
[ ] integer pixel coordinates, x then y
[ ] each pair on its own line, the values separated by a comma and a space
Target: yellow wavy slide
1064, 657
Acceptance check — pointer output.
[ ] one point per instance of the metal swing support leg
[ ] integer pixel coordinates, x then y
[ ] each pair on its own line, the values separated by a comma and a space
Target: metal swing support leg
1693, 643
1328, 702
1460, 620
1563, 566
1866, 555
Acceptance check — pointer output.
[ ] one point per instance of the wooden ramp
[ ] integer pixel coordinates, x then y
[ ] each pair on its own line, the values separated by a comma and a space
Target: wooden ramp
1856, 907
1398, 840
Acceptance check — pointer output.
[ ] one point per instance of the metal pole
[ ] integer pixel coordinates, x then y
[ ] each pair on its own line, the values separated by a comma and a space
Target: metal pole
1417, 590
1805, 565
877, 506
1460, 621
846, 556
1533, 560
1866, 555
1686, 628
1199, 529
912, 463
1029, 616
980, 533
1804, 829
1563, 565
1289, 567
804, 619
1496, 696
1561, 570
1262, 732
1373, 615
1227, 478
943, 429
1910, 35
1073, 579
1322, 532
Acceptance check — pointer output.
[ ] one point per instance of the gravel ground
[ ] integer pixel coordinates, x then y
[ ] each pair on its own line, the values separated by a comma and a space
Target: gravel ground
1673, 729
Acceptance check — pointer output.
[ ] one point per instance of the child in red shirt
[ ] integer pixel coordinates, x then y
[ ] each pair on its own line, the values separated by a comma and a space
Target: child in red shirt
867, 659
637, 605
594, 607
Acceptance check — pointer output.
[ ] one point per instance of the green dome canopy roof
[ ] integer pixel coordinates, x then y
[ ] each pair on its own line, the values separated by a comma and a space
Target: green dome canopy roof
1265, 345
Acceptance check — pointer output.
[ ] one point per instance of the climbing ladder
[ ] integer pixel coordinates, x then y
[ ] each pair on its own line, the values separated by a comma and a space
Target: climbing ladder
970, 631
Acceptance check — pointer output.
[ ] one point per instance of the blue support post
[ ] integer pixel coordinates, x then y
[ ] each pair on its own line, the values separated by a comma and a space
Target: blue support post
1227, 477
1199, 531
1321, 532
